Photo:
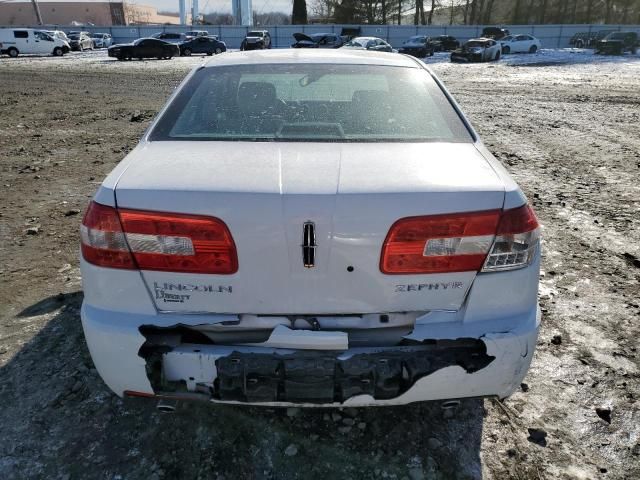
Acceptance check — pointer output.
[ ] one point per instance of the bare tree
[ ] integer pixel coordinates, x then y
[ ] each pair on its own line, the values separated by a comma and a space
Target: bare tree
542, 11
418, 17
434, 4
299, 12
488, 11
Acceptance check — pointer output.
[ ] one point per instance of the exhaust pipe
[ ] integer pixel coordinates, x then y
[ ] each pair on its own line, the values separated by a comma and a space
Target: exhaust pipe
167, 406
449, 408
450, 404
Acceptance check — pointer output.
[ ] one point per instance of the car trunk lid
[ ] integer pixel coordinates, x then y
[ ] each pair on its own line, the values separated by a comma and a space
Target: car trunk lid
267, 192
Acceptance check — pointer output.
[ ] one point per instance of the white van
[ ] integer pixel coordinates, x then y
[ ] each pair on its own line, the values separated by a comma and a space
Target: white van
16, 41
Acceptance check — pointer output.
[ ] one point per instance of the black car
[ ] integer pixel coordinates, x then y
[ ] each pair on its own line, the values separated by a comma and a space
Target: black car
443, 43
208, 45
599, 35
317, 40
494, 32
617, 43
144, 48
256, 40
580, 40
417, 46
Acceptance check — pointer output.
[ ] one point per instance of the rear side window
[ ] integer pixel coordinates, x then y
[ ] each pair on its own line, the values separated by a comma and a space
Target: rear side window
311, 102
20, 34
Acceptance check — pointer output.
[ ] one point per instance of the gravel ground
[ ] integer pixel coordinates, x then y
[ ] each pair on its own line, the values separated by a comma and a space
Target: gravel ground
565, 123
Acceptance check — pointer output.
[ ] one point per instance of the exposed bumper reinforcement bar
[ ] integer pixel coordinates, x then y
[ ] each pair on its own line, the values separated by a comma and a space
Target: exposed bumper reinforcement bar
313, 377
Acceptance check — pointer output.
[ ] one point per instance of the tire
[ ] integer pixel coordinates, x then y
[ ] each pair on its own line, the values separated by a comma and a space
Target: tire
634, 50
80, 48
497, 55
533, 49
57, 52
186, 52
579, 44
218, 51
506, 50
13, 52
243, 46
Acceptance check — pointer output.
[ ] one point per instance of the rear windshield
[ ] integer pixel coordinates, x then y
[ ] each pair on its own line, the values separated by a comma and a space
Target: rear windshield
311, 102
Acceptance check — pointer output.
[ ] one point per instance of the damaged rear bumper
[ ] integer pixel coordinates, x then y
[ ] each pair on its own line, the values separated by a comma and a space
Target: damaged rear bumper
439, 361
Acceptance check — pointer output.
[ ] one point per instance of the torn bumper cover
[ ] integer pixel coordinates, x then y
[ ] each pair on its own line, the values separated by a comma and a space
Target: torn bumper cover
432, 366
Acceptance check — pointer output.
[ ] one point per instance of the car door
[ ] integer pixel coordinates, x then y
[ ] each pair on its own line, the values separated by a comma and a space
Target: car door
144, 49
203, 45
520, 44
43, 43
156, 49
21, 41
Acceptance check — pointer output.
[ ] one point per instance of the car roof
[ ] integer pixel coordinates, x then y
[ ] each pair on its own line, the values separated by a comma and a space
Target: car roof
337, 56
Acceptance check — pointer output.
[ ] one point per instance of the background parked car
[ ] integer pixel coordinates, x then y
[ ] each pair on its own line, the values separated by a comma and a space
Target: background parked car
171, 37
580, 40
145, 48
443, 43
62, 36
417, 46
80, 41
617, 43
369, 43
317, 40
57, 34
17, 41
494, 32
477, 50
599, 35
208, 45
102, 40
520, 44
197, 33
256, 40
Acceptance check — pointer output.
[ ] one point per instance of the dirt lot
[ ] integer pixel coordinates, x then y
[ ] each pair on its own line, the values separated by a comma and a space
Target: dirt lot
569, 131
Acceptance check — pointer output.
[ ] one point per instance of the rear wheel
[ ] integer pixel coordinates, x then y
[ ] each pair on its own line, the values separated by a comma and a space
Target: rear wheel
81, 48
579, 44
533, 49
506, 50
218, 51
13, 52
57, 52
186, 52
497, 55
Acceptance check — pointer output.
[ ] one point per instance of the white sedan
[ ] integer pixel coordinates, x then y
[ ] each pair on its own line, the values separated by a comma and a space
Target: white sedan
313, 228
520, 44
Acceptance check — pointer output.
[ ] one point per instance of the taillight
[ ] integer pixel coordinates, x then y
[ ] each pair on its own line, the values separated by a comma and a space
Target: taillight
460, 242
439, 243
102, 239
159, 241
516, 242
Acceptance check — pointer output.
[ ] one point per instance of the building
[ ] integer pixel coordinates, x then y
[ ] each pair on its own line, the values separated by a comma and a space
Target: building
82, 12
